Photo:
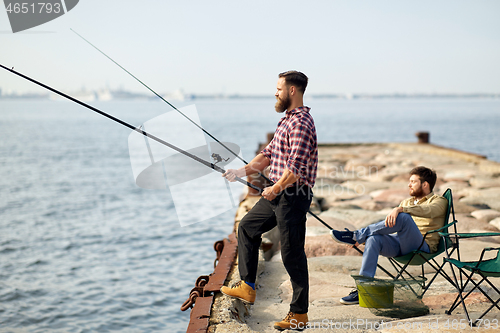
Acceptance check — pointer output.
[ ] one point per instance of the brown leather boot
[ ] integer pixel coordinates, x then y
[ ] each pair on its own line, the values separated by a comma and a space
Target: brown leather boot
292, 321
241, 291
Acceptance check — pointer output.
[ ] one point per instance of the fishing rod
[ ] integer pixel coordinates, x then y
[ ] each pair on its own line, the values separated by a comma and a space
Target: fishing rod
194, 157
134, 128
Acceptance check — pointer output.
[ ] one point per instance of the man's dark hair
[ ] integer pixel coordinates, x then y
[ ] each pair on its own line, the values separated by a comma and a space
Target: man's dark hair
295, 78
425, 175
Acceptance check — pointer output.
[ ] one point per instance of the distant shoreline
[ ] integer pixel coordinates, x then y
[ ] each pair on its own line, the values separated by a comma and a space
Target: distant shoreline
125, 95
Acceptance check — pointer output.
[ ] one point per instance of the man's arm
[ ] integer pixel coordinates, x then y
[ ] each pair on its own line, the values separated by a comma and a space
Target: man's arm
434, 209
390, 220
287, 179
259, 163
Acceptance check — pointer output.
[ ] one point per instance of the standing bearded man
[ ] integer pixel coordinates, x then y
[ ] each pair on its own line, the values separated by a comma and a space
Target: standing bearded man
293, 159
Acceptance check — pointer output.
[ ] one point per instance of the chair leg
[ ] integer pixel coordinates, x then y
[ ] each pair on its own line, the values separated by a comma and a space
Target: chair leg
494, 303
438, 268
456, 302
460, 290
476, 286
496, 290
439, 271
425, 286
401, 269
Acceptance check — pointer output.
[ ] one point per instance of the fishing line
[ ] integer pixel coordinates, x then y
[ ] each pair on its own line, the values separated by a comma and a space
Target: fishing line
161, 97
134, 128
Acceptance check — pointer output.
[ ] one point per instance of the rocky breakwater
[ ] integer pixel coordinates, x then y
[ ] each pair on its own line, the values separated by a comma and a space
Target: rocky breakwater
359, 184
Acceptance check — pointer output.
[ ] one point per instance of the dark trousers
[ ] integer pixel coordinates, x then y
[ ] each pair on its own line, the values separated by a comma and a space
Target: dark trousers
288, 212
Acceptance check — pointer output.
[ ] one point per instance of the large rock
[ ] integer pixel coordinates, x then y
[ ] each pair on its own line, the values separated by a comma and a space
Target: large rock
333, 222
395, 171
455, 186
366, 187
462, 208
496, 223
320, 246
331, 191
459, 175
364, 202
475, 197
481, 181
465, 223
359, 218
363, 167
401, 178
485, 215
335, 171
443, 301
394, 196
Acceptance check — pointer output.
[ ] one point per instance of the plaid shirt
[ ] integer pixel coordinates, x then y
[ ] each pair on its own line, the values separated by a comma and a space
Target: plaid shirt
294, 147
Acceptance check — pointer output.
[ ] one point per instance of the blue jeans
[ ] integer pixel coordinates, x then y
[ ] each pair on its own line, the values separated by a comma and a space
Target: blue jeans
390, 242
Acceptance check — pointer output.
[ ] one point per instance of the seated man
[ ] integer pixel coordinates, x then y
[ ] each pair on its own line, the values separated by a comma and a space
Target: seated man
403, 229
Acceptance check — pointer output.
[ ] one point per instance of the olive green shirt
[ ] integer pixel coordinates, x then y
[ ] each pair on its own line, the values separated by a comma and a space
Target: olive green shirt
429, 214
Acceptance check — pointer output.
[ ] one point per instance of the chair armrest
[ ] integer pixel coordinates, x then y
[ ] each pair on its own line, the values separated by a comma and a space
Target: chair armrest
437, 230
469, 235
491, 248
443, 227
433, 231
484, 250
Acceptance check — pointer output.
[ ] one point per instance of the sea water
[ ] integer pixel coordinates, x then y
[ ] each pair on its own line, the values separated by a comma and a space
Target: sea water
84, 249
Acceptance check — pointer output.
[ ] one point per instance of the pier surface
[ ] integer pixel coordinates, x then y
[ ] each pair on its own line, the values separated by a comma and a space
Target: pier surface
359, 184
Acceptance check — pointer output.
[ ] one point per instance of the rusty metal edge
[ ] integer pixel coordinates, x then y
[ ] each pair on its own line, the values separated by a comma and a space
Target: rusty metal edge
226, 260
200, 313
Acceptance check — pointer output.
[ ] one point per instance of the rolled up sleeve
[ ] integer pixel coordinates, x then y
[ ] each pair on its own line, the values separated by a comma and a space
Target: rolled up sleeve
267, 152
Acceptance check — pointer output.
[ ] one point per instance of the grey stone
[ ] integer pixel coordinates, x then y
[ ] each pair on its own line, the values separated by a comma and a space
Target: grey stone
484, 182
496, 223
359, 218
489, 196
485, 215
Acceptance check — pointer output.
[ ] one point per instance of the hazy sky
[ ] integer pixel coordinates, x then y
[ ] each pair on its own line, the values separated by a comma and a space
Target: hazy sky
216, 46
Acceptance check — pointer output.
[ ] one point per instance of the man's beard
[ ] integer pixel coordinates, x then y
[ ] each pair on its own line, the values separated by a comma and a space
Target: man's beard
282, 104
418, 193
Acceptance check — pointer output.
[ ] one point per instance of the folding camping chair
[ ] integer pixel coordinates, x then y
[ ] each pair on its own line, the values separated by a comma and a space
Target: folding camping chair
420, 258
484, 268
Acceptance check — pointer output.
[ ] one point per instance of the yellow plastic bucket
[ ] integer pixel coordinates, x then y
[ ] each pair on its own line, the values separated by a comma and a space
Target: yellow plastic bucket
375, 294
